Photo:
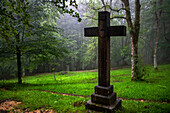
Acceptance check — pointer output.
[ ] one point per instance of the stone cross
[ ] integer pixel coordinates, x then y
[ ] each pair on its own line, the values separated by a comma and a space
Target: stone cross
104, 99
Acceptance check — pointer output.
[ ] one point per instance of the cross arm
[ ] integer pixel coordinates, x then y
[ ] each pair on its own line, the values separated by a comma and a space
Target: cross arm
91, 31
112, 31
117, 30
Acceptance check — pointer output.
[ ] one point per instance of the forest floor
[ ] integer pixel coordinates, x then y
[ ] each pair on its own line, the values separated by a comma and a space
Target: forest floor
69, 92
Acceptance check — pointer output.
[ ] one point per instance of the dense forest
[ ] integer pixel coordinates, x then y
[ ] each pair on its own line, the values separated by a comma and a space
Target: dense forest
44, 36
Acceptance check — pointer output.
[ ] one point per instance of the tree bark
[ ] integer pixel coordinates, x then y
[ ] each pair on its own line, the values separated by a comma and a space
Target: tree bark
54, 76
110, 6
134, 34
18, 53
156, 42
68, 67
157, 23
23, 72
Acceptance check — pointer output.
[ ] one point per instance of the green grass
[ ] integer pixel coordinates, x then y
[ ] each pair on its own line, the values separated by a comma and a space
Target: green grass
155, 90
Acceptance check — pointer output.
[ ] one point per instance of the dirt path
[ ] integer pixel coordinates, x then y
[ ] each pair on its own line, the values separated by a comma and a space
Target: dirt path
83, 96
11, 106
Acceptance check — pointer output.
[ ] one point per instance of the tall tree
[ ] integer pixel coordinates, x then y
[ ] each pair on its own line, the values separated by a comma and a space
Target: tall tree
158, 13
12, 18
134, 28
16, 27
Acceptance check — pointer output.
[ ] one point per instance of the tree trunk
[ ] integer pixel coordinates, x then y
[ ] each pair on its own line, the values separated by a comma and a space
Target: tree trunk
134, 34
157, 22
156, 42
110, 6
18, 53
134, 58
68, 67
23, 72
54, 76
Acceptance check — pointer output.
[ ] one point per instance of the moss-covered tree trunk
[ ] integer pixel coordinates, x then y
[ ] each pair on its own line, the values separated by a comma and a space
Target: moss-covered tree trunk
134, 28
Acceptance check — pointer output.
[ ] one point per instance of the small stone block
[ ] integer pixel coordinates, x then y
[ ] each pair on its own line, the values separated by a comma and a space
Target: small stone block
98, 107
105, 100
100, 90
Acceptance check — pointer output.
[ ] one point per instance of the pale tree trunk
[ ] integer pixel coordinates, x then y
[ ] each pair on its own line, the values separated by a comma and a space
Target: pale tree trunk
156, 42
133, 63
23, 72
68, 67
157, 22
134, 34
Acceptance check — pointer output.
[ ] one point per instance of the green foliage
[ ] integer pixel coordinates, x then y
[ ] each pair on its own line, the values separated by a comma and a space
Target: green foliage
142, 72
90, 55
124, 51
13, 16
39, 38
63, 5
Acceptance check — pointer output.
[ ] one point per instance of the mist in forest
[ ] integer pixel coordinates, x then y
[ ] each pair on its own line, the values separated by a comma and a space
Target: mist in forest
63, 46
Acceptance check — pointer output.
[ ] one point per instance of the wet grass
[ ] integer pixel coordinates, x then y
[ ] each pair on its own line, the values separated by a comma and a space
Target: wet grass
33, 92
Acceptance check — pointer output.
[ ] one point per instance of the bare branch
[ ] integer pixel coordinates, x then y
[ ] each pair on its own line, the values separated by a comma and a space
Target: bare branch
104, 5
110, 5
92, 18
118, 17
96, 9
117, 10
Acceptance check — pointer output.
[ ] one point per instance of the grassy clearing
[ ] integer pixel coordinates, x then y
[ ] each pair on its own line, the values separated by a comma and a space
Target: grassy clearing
31, 93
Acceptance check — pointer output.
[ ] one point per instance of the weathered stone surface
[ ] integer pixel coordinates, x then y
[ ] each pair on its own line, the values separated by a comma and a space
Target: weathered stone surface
105, 91
105, 108
105, 100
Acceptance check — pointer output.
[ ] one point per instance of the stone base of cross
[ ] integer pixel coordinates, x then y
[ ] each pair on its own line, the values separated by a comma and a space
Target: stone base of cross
104, 99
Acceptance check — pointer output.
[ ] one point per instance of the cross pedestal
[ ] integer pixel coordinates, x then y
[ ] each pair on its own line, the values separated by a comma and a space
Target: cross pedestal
104, 99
